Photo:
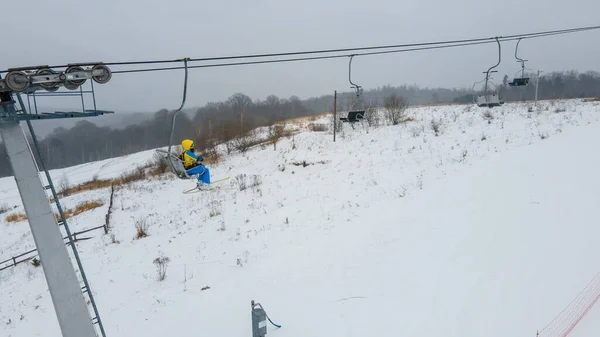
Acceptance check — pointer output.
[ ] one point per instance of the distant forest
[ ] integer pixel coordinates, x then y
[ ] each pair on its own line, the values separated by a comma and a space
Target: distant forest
221, 121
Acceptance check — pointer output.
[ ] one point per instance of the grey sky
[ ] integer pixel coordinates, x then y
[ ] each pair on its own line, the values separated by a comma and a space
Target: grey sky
63, 31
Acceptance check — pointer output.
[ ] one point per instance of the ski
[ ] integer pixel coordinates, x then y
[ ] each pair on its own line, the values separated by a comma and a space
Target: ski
195, 189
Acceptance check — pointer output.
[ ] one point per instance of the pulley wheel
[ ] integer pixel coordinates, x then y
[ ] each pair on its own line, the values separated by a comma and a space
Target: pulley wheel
48, 85
17, 81
53, 88
76, 82
70, 85
106, 74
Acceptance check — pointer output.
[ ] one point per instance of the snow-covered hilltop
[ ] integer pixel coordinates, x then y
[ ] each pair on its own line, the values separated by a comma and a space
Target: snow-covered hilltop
461, 222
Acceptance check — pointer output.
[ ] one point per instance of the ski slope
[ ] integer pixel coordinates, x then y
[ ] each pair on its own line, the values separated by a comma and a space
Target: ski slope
487, 229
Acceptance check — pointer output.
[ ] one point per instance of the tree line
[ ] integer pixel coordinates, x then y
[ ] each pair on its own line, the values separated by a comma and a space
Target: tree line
223, 121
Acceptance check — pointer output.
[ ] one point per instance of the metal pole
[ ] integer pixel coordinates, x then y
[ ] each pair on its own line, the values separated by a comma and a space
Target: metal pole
82, 100
93, 95
537, 84
66, 226
334, 114
185, 82
65, 291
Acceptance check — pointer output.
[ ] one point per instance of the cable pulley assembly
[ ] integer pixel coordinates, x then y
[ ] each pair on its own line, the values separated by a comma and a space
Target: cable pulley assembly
43, 77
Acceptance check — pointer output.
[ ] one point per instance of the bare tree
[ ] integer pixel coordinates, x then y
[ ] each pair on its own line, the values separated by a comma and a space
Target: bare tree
64, 185
276, 131
395, 108
273, 103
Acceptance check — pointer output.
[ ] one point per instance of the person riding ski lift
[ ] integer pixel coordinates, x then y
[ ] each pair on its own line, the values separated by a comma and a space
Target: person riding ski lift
193, 164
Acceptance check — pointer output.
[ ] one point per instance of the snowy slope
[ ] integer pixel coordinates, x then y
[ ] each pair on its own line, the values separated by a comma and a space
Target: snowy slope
486, 229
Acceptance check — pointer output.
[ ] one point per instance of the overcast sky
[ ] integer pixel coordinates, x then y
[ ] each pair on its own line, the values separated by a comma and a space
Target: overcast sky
62, 31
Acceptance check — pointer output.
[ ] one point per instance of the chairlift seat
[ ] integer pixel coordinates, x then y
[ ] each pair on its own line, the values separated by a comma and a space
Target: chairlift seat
354, 116
175, 165
488, 101
518, 82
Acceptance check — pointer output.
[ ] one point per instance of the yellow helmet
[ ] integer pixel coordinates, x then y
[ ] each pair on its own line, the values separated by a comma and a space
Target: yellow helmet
187, 144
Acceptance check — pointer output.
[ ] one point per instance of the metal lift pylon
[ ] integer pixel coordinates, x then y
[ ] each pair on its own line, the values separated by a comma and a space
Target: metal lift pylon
63, 283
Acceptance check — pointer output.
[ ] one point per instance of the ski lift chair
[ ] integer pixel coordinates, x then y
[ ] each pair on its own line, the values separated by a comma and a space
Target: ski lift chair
357, 115
354, 116
519, 81
489, 99
175, 164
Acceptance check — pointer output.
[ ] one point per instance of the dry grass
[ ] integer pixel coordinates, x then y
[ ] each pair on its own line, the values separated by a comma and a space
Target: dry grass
141, 228
212, 158
82, 207
132, 176
318, 127
16, 217
86, 206
86, 186
303, 121
155, 168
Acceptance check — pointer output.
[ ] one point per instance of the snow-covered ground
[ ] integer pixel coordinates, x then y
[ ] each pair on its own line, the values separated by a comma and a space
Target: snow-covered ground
486, 229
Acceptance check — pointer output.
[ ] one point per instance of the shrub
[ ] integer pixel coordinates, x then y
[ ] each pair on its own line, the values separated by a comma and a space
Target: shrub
36, 262
395, 108
137, 174
372, 117
256, 181
240, 179
4, 208
160, 164
214, 208
64, 186
161, 267
276, 131
244, 142
244, 183
141, 227
436, 125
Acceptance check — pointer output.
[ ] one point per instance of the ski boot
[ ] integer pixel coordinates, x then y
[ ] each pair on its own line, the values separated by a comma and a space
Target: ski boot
201, 185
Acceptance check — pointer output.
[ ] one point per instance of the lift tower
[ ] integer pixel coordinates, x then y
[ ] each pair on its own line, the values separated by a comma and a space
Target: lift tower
66, 288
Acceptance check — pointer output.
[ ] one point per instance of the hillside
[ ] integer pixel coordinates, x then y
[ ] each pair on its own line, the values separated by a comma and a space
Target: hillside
461, 222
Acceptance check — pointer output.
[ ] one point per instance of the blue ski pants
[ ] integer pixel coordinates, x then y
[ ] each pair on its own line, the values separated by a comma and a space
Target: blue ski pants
202, 171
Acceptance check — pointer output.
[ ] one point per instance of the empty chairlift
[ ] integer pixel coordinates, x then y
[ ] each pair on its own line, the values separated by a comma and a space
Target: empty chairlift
354, 115
489, 96
522, 80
